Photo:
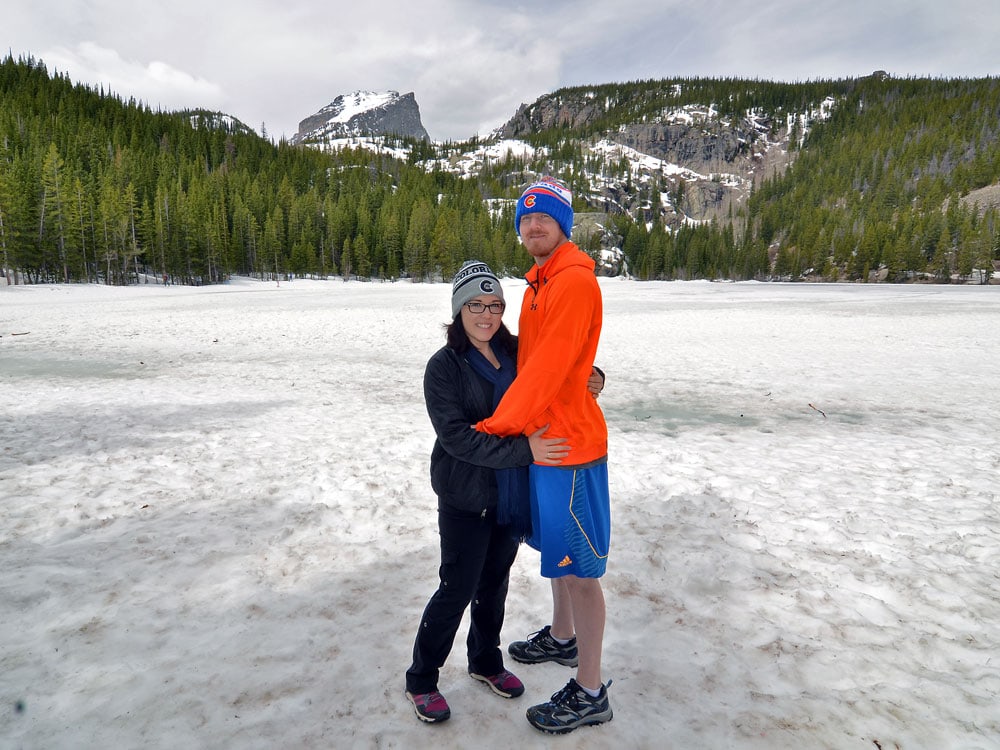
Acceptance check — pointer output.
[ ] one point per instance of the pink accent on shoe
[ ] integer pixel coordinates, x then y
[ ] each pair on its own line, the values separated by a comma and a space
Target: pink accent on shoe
429, 707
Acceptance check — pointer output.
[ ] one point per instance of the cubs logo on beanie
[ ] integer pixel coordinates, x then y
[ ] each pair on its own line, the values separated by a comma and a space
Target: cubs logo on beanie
547, 196
473, 279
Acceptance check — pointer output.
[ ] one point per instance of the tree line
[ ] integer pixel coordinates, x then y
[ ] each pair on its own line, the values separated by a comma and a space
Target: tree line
877, 190
93, 188
97, 189
881, 184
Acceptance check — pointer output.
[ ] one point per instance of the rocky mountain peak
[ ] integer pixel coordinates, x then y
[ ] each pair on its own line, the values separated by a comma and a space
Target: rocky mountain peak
363, 113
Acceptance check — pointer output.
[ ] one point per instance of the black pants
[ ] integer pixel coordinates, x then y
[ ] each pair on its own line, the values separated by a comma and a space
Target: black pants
476, 555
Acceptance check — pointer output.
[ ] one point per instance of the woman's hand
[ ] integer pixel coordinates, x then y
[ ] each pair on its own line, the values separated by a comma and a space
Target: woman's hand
595, 384
545, 450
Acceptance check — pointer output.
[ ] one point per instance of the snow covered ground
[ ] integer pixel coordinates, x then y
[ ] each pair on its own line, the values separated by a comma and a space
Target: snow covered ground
217, 529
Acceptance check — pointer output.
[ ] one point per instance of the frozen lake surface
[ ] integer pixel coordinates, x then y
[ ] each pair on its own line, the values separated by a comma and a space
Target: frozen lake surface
217, 528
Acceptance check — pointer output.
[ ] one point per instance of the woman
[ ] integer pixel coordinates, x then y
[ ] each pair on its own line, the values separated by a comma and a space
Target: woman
481, 484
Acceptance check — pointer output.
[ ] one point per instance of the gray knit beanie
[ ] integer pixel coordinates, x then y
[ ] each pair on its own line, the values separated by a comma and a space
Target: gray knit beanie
473, 278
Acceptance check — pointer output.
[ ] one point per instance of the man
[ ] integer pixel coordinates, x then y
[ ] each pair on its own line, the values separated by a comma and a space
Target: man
559, 329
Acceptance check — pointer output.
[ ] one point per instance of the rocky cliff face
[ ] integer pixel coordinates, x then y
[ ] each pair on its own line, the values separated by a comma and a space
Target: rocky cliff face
704, 163
363, 113
689, 138
703, 147
550, 112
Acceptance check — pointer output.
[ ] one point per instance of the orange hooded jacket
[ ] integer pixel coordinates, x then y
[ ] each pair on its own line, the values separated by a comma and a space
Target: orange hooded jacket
558, 332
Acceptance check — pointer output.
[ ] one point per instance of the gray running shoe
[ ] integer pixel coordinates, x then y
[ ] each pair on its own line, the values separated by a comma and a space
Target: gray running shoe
570, 708
541, 646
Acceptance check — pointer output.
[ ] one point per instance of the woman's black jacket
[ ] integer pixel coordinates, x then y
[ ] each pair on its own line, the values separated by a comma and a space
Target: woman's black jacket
463, 460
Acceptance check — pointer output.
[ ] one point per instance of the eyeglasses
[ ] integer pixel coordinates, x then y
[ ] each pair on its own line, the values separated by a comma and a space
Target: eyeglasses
496, 308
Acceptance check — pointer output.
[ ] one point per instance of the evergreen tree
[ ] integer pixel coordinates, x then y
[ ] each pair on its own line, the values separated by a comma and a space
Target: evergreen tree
446, 244
51, 231
347, 259
416, 247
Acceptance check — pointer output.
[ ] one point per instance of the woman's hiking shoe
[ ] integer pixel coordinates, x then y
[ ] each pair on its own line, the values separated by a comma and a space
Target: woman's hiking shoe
429, 707
503, 683
569, 708
541, 646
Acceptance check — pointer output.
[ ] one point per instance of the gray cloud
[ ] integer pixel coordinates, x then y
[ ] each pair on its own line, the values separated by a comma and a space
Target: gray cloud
470, 64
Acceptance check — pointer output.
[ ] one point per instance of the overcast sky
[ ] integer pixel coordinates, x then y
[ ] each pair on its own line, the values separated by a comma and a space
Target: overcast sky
471, 63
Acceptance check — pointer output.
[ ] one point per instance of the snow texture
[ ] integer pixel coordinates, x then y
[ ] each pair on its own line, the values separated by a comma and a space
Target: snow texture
344, 108
217, 529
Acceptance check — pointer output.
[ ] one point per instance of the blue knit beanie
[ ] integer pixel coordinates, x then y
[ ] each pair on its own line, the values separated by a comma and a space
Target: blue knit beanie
547, 196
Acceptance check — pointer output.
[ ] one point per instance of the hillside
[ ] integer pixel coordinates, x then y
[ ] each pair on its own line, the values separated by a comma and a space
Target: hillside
860, 179
839, 180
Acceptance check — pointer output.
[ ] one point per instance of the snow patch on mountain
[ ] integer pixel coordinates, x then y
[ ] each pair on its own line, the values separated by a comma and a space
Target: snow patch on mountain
345, 108
363, 114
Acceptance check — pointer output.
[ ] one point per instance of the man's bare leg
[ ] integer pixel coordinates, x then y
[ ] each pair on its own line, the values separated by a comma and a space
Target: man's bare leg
562, 611
589, 614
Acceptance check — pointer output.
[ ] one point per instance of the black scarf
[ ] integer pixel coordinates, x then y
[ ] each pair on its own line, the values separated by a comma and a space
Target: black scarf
514, 505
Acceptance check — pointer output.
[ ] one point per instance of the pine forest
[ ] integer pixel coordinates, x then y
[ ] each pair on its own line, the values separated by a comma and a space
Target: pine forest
898, 184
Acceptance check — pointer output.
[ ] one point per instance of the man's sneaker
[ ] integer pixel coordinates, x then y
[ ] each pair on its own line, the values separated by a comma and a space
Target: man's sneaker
541, 646
429, 707
503, 683
570, 708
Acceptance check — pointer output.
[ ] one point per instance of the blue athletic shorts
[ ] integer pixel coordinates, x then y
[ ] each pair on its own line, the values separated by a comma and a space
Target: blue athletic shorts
571, 519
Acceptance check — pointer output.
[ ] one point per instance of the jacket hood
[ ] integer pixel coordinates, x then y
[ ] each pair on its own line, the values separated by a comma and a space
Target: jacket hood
565, 256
